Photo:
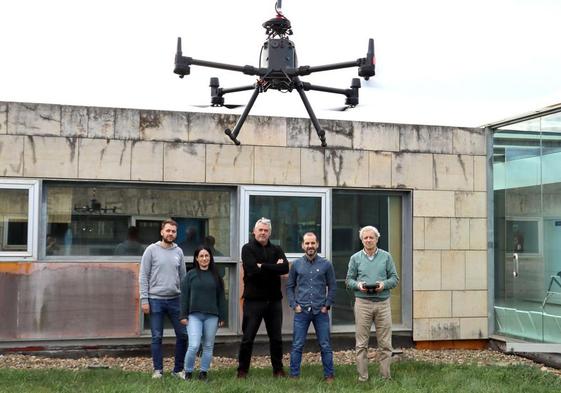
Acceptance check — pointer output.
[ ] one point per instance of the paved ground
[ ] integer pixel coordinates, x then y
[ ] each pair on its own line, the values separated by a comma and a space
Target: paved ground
485, 357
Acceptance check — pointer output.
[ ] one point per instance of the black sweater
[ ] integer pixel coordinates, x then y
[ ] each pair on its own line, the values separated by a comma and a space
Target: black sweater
199, 293
263, 283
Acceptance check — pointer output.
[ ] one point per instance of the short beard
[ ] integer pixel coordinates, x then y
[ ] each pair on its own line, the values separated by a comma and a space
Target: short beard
166, 241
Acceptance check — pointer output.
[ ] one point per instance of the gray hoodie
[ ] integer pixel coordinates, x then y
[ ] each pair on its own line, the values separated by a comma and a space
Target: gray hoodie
161, 272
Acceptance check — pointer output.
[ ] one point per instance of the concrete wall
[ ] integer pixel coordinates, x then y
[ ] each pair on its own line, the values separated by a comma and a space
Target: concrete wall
444, 167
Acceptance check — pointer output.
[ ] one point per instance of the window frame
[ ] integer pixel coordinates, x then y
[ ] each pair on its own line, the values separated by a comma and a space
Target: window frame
33, 195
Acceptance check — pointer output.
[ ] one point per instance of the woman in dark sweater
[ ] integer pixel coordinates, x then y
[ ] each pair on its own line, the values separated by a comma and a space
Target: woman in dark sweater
203, 309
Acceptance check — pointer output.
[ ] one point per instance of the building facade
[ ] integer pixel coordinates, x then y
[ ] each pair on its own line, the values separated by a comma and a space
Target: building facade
83, 189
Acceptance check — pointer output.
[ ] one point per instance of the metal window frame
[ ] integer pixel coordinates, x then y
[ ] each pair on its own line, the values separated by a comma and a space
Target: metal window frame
33, 188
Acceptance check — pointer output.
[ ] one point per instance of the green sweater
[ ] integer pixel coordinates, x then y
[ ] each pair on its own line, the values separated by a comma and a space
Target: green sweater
199, 293
381, 268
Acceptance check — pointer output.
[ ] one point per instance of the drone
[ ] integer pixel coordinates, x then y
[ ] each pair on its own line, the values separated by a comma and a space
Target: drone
279, 70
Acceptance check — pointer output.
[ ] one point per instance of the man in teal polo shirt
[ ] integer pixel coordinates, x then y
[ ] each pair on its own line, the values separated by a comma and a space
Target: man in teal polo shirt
371, 274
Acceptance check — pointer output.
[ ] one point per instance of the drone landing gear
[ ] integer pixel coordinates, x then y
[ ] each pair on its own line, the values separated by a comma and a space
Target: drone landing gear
233, 135
321, 133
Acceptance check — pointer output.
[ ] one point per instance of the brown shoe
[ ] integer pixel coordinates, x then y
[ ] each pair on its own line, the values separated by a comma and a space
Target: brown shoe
329, 379
279, 373
241, 374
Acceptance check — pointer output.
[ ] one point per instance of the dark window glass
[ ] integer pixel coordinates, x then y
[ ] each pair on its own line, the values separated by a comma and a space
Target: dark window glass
351, 211
291, 217
13, 219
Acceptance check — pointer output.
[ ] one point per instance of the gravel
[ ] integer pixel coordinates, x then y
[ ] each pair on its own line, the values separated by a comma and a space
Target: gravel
144, 364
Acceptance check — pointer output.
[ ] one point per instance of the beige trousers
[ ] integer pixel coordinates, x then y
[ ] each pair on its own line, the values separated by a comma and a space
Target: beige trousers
380, 313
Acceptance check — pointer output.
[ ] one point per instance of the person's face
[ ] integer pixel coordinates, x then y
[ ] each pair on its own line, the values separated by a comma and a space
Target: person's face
369, 240
262, 232
169, 233
203, 259
310, 246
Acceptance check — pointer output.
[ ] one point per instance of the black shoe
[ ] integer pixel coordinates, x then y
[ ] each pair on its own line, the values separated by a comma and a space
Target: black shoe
242, 374
279, 373
188, 376
203, 376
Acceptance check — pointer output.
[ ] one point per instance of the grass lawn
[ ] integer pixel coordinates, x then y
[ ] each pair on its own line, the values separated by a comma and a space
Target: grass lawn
408, 376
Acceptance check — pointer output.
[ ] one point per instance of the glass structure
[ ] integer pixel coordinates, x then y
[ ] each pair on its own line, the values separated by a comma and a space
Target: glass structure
527, 229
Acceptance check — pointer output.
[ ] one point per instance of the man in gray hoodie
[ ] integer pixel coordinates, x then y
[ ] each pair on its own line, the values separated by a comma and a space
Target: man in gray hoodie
161, 271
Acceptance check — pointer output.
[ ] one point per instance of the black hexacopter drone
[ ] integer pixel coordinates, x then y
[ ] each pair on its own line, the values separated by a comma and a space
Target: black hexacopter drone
279, 70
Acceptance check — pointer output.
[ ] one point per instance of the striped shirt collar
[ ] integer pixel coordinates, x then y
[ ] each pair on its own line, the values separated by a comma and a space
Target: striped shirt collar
373, 256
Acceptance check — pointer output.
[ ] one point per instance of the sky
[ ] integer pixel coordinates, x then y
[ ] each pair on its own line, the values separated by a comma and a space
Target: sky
453, 63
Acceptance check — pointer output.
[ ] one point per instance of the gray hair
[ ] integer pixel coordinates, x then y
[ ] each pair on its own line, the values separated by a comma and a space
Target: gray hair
264, 221
368, 228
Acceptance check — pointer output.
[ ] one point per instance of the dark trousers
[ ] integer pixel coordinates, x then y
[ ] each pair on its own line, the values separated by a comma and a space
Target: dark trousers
254, 311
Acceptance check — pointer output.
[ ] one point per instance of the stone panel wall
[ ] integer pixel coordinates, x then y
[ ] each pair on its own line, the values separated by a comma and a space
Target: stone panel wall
444, 167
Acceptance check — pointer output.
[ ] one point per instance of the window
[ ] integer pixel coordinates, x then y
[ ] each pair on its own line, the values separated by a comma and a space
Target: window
292, 216
97, 220
292, 212
18, 219
353, 209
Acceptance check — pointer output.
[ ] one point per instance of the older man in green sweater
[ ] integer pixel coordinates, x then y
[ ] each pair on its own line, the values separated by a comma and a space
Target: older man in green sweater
371, 274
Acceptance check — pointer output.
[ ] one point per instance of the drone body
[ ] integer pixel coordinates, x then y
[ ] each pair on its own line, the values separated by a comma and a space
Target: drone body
279, 70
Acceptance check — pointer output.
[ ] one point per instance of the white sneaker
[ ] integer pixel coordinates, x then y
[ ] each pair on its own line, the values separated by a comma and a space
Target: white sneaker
179, 374
157, 374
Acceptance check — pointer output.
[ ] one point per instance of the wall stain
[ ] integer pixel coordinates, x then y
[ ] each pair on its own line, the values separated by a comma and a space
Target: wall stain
336, 161
34, 153
71, 142
150, 119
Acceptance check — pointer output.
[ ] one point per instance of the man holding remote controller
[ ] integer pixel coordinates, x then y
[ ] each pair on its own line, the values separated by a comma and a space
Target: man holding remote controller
371, 274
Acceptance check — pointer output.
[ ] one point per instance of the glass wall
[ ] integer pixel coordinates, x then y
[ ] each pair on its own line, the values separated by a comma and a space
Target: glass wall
352, 210
115, 220
527, 206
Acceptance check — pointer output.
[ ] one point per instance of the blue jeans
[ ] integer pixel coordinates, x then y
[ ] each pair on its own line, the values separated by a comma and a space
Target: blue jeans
169, 307
200, 325
302, 322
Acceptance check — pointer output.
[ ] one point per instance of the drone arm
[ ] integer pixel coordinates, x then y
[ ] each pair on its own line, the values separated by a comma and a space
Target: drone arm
313, 118
307, 70
247, 69
351, 93
234, 134
366, 65
308, 86
236, 89
183, 63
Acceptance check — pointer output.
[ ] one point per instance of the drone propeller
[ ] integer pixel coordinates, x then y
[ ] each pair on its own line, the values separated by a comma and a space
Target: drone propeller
228, 106
341, 108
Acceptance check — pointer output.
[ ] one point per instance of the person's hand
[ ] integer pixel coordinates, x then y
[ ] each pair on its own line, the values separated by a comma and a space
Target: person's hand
220, 323
259, 265
361, 287
324, 310
298, 309
184, 321
280, 261
380, 286
146, 308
